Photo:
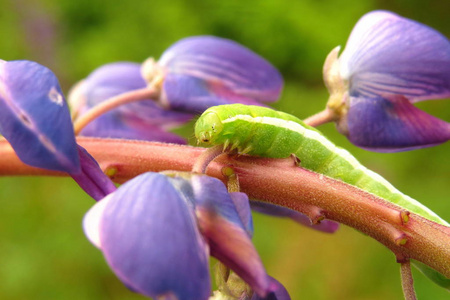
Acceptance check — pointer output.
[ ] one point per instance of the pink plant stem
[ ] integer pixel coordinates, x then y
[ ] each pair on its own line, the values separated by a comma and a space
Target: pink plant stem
277, 181
205, 158
325, 116
407, 281
98, 110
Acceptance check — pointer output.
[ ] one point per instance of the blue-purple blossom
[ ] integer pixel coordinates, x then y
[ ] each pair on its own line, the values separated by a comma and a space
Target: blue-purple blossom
204, 71
143, 120
34, 117
156, 233
388, 64
35, 120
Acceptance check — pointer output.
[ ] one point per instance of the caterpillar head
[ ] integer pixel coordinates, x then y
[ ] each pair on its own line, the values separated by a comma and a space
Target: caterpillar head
208, 128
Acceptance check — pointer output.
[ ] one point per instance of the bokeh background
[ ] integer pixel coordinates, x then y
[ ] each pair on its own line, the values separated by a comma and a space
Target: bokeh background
43, 252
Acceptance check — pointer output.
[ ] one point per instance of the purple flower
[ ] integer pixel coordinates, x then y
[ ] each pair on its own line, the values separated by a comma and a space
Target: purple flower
204, 71
156, 233
91, 178
34, 117
143, 120
388, 64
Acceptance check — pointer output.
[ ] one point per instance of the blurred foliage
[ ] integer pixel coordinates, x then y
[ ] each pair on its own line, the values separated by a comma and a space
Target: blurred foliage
43, 252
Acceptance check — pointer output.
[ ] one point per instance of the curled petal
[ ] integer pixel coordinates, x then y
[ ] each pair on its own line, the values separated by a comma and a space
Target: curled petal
91, 178
394, 124
34, 117
227, 237
327, 226
387, 54
143, 120
226, 69
279, 292
149, 237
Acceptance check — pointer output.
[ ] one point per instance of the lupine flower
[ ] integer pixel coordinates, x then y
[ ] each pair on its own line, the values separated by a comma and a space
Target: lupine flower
34, 117
35, 120
388, 64
204, 71
156, 233
143, 120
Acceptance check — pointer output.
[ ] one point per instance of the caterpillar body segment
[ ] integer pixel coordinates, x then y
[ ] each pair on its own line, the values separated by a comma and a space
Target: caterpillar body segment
265, 132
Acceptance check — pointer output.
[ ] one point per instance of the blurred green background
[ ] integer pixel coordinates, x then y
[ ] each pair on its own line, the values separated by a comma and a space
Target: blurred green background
43, 252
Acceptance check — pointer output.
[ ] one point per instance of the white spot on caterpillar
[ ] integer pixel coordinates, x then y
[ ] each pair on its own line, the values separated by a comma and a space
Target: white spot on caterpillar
55, 97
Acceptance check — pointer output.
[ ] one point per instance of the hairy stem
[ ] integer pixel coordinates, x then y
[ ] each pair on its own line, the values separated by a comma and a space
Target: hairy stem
276, 181
202, 162
98, 110
407, 281
325, 116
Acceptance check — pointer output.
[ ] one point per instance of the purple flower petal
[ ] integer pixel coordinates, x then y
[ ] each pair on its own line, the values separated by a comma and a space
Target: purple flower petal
227, 237
187, 93
390, 55
91, 178
34, 117
143, 120
279, 292
242, 205
389, 125
149, 237
111, 125
219, 68
327, 226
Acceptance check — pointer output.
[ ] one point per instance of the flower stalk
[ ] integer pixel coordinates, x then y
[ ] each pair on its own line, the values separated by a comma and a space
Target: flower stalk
279, 182
407, 281
325, 116
110, 104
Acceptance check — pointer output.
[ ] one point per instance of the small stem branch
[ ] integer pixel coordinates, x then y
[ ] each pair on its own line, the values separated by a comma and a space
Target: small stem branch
325, 116
407, 281
275, 181
125, 98
207, 156
232, 180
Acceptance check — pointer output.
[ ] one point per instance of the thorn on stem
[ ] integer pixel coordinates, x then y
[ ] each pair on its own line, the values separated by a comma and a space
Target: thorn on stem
111, 171
398, 237
401, 241
398, 217
314, 213
404, 215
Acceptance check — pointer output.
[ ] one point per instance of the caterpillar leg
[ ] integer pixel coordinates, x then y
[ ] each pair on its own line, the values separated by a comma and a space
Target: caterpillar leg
296, 159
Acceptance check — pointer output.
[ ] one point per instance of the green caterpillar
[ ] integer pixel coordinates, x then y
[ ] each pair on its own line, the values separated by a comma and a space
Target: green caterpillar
264, 132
